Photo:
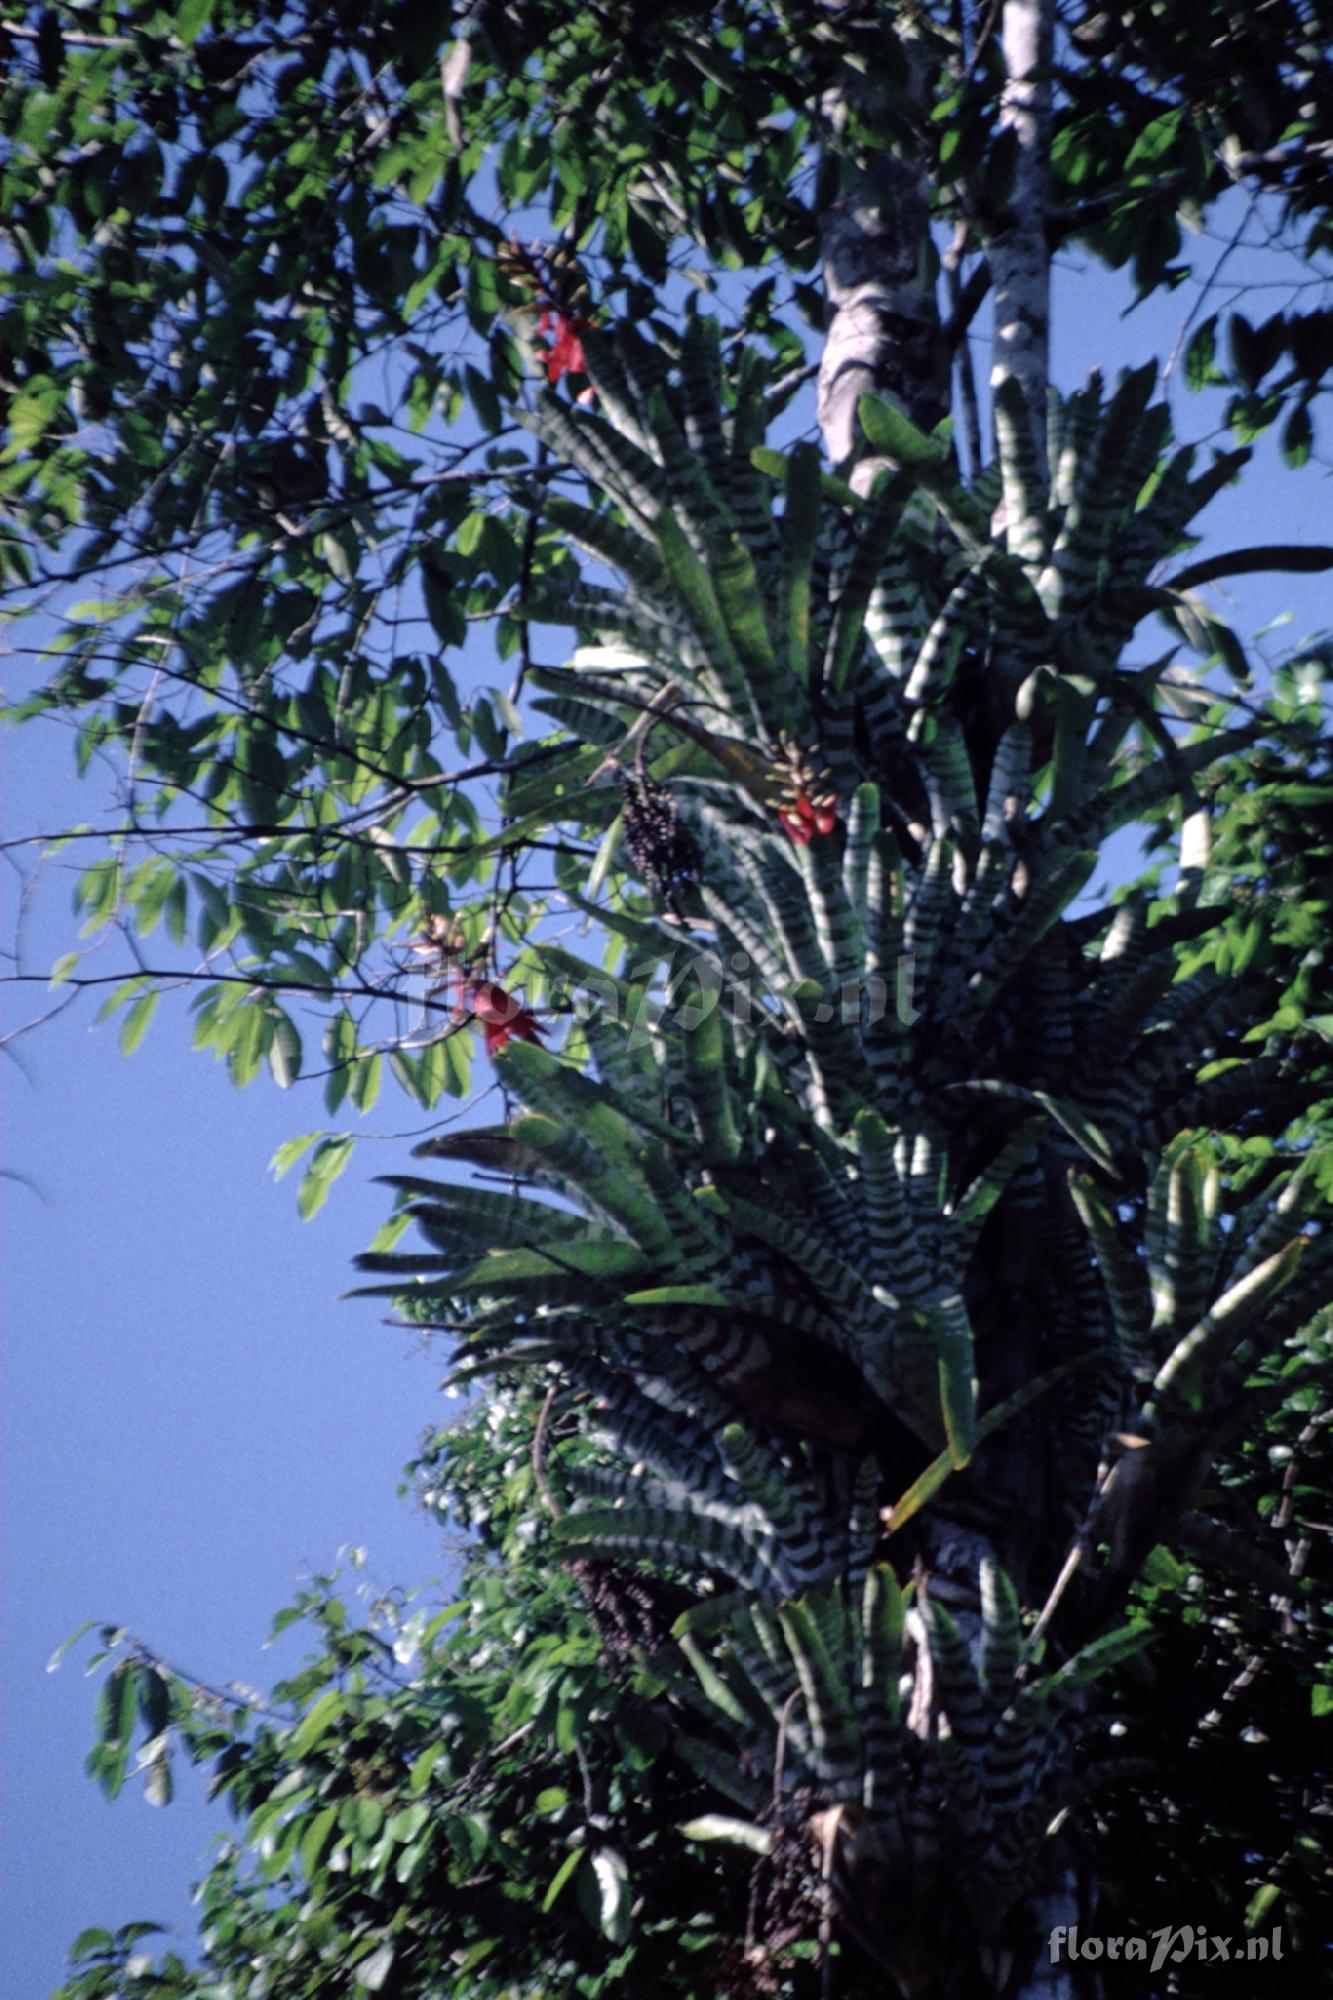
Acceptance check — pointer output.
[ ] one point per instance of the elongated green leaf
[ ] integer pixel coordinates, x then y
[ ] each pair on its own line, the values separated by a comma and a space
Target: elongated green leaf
928, 1483
1297, 557
613, 1893
679, 1295
135, 1025
889, 431
952, 1334
1185, 1370
800, 533
319, 1718
696, 591
284, 1051
705, 1049
733, 1832
561, 1876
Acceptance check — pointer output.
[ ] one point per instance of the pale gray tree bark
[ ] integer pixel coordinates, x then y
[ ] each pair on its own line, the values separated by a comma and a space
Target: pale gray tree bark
1020, 266
883, 332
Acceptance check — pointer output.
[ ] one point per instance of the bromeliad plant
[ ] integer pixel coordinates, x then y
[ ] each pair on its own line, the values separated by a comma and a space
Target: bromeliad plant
888, 1231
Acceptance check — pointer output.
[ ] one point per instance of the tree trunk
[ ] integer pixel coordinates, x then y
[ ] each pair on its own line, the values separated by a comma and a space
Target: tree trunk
900, 1897
1063, 1903
1019, 259
882, 331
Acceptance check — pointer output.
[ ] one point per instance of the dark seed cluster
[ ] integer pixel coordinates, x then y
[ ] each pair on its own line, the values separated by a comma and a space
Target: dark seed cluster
629, 1612
664, 851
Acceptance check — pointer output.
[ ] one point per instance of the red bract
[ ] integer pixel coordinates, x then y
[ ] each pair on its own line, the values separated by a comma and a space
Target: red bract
502, 1019
564, 355
803, 821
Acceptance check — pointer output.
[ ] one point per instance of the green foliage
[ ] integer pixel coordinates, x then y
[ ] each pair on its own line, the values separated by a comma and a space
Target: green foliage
887, 1203
775, 1213
427, 1807
771, 1240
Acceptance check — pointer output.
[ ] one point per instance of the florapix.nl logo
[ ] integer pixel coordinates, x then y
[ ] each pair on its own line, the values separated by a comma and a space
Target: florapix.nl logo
1171, 1945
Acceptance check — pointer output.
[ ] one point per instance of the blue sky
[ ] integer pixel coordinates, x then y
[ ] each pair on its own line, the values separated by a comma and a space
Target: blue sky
192, 1420
192, 1417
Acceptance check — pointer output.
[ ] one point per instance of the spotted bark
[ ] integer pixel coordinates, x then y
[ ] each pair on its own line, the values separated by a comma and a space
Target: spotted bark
883, 331
1019, 257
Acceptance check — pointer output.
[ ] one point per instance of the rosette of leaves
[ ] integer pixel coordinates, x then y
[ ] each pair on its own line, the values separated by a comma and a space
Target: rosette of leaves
887, 1218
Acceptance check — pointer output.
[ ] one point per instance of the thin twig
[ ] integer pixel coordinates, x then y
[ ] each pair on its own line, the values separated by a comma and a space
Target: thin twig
539, 1438
1207, 287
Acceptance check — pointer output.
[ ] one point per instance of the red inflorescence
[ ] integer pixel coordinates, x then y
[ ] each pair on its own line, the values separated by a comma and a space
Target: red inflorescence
564, 355
502, 1019
804, 820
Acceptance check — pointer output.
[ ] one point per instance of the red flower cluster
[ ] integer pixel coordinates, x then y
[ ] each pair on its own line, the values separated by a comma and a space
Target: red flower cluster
502, 1019
803, 820
551, 284
564, 355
